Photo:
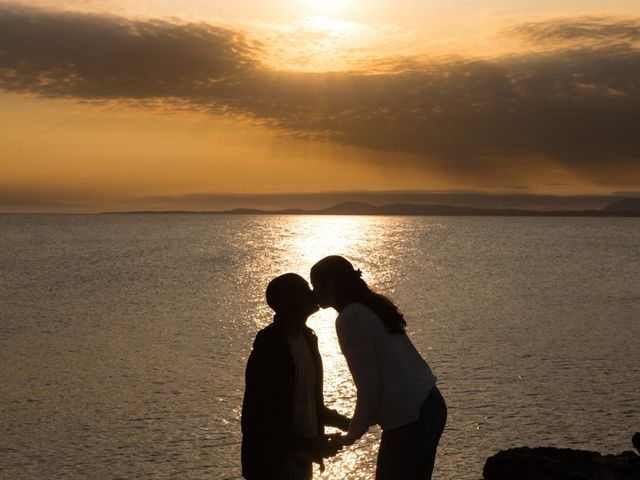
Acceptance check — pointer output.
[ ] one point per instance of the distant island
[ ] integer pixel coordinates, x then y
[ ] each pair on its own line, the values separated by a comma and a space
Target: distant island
629, 207
625, 205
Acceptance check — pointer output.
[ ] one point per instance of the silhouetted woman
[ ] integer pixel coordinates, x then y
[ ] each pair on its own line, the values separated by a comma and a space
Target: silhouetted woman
396, 388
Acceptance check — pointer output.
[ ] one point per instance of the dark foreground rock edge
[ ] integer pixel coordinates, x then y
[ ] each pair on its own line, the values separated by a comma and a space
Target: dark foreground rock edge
547, 463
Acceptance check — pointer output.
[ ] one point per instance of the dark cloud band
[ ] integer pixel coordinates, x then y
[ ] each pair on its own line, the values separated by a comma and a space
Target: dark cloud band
98, 56
580, 29
577, 106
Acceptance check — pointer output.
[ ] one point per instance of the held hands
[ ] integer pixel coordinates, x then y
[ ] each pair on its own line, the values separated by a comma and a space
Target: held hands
338, 441
323, 446
329, 445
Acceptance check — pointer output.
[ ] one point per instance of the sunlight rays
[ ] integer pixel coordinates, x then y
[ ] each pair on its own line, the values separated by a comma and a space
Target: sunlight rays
319, 43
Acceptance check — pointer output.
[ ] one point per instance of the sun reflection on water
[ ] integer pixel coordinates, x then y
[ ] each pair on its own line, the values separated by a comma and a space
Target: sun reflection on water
307, 239
314, 238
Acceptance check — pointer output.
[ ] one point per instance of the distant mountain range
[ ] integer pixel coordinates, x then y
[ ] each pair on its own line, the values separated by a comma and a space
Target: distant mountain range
629, 207
625, 205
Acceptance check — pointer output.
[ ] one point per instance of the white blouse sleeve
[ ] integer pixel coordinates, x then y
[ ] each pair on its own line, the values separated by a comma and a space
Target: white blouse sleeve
359, 353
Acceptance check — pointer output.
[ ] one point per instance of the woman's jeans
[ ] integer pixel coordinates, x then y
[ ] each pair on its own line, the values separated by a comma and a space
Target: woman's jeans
409, 452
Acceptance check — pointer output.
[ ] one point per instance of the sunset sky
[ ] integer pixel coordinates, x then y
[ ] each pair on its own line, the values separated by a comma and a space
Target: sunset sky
201, 104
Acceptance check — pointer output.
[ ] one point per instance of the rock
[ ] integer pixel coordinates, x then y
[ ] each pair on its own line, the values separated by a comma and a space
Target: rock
561, 464
636, 441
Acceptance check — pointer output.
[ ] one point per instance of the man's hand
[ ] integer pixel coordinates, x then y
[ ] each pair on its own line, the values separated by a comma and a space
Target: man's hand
339, 441
334, 419
324, 446
343, 422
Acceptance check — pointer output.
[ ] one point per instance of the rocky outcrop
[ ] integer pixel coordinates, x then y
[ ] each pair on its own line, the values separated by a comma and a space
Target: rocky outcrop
562, 464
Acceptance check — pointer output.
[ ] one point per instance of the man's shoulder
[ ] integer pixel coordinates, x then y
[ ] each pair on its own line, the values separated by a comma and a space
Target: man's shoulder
273, 336
268, 335
270, 349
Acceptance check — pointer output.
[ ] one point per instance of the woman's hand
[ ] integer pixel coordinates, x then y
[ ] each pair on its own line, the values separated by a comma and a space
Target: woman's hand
339, 441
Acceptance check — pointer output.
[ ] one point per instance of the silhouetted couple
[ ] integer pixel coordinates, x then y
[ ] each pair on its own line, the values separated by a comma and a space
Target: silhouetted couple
283, 413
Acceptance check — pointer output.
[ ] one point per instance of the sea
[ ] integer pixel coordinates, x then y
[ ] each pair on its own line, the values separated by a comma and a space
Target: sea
124, 337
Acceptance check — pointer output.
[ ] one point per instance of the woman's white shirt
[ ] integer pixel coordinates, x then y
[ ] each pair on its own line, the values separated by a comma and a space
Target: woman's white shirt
391, 377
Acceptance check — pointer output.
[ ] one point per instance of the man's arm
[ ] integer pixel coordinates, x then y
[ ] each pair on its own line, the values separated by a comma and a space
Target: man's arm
332, 418
263, 404
263, 440
253, 392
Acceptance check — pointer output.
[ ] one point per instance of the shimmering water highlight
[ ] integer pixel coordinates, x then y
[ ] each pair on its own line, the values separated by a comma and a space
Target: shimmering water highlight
123, 339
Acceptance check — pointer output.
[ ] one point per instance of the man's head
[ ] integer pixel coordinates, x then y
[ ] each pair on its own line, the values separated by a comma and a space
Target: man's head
290, 295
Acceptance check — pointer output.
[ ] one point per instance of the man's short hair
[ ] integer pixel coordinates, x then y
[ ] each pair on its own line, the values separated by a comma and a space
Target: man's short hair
282, 290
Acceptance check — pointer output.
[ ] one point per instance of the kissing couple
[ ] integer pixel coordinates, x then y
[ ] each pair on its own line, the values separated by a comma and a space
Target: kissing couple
283, 411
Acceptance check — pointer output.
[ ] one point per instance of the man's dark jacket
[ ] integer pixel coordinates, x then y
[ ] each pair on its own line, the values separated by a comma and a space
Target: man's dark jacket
267, 409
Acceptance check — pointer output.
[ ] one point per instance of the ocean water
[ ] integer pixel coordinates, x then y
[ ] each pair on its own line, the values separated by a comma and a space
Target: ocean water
123, 338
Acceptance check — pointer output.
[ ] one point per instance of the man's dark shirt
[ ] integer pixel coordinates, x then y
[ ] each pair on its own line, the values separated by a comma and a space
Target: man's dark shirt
267, 409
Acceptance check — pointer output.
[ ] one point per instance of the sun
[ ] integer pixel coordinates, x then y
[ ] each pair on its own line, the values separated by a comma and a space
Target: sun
326, 7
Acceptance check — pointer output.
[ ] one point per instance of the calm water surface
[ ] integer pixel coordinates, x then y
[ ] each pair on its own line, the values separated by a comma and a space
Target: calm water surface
123, 339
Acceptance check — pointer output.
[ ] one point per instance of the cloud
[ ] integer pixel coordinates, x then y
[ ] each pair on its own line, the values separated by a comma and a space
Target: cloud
576, 107
601, 29
61, 53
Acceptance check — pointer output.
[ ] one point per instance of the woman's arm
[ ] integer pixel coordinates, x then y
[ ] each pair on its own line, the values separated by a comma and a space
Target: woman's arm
359, 353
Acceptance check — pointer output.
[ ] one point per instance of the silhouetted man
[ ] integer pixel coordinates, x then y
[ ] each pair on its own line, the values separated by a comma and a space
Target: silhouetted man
283, 412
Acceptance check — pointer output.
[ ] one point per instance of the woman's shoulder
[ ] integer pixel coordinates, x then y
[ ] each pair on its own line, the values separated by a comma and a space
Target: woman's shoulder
356, 310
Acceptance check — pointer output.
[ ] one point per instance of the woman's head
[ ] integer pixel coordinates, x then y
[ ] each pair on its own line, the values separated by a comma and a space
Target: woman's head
337, 284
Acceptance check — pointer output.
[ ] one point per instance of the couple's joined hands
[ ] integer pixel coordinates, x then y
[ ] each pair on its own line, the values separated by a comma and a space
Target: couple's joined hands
329, 445
338, 441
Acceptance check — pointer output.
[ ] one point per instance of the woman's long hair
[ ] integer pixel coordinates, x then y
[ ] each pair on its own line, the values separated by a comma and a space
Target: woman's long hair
350, 288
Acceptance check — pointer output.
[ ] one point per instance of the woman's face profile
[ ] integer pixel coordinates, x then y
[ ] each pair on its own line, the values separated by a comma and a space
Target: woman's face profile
324, 293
